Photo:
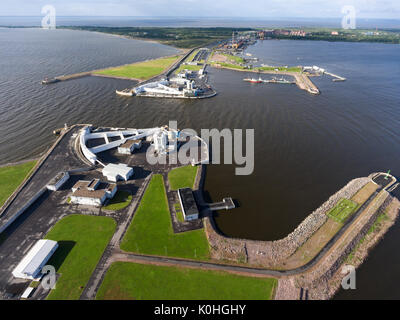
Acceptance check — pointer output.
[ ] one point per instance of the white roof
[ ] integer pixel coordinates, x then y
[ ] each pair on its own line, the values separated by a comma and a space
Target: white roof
116, 169
27, 293
34, 258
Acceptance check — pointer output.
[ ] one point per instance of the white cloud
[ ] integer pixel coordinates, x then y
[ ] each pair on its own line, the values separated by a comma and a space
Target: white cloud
214, 8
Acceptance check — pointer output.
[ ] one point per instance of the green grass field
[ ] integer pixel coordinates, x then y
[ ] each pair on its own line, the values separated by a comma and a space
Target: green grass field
142, 70
130, 281
182, 177
343, 210
188, 67
121, 200
82, 240
233, 58
150, 231
289, 69
11, 177
179, 213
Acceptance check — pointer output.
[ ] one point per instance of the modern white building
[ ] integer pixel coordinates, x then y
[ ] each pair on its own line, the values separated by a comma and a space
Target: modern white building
58, 181
114, 172
93, 193
31, 265
129, 146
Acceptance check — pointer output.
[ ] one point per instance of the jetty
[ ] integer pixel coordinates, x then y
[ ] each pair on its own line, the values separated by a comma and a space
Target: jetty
225, 204
304, 83
335, 77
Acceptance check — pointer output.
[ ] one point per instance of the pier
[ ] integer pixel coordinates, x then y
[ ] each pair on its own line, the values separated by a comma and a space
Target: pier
304, 83
225, 204
335, 76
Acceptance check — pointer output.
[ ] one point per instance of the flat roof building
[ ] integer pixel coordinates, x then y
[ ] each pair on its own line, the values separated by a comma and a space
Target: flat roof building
115, 172
58, 181
31, 265
188, 204
129, 146
93, 193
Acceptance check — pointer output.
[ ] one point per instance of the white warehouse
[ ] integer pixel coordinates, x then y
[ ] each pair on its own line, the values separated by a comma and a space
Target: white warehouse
31, 265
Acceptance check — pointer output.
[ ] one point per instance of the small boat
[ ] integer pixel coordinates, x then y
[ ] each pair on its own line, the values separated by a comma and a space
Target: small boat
125, 92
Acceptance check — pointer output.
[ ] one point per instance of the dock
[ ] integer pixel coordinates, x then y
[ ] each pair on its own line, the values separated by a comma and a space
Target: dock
335, 77
225, 204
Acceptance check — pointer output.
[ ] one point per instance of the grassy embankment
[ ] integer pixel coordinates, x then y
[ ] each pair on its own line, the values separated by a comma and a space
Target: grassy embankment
141, 70
235, 62
148, 282
121, 200
182, 177
11, 177
337, 217
151, 230
82, 240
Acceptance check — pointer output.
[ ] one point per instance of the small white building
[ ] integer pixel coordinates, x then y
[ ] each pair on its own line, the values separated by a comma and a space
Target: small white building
58, 181
129, 146
31, 265
92, 193
114, 172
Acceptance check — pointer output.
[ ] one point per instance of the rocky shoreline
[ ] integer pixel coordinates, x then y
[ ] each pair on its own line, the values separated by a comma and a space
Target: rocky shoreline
269, 254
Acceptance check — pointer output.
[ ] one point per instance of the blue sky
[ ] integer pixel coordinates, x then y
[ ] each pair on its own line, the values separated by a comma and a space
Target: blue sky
382, 9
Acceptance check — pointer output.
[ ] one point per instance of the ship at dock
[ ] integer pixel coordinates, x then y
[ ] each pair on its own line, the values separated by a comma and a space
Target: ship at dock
254, 80
49, 80
281, 81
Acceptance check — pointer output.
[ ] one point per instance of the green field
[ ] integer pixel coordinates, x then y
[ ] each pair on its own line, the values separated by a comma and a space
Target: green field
151, 231
182, 177
128, 281
343, 210
142, 70
82, 240
233, 58
121, 200
11, 177
288, 69
188, 67
179, 213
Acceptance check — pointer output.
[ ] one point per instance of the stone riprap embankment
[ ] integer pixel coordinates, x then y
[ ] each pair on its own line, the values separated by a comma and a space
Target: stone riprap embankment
325, 279
271, 254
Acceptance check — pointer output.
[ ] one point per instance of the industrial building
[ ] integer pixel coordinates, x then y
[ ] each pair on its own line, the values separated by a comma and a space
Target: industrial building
129, 146
58, 181
31, 265
114, 172
93, 193
165, 88
188, 204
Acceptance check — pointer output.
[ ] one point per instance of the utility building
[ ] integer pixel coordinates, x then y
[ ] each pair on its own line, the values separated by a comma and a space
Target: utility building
31, 265
114, 172
93, 193
188, 204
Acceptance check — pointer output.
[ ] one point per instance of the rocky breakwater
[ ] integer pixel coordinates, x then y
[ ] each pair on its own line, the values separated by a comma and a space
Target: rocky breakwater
272, 254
